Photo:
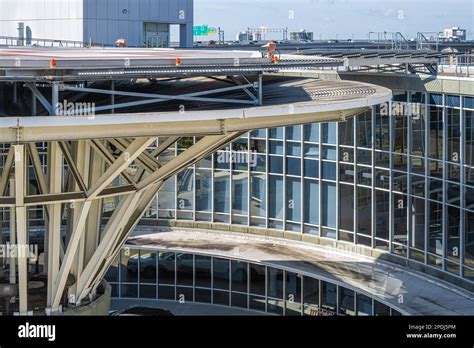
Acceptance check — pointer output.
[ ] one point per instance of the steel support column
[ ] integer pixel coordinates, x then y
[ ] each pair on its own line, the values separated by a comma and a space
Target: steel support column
21, 228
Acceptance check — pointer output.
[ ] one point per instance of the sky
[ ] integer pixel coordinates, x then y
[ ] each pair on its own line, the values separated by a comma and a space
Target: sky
331, 19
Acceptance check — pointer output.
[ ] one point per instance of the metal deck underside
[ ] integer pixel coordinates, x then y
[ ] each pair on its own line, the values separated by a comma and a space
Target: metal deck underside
286, 102
34, 64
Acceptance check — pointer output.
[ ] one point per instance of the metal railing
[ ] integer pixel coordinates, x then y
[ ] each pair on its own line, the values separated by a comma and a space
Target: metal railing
24, 41
459, 65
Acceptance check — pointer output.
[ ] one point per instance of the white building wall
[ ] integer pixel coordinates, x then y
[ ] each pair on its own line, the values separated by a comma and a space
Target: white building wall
99, 21
108, 20
45, 19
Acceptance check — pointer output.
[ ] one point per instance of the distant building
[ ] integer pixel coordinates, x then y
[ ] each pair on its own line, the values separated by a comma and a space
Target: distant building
301, 35
140, 23
454, 34
244, 36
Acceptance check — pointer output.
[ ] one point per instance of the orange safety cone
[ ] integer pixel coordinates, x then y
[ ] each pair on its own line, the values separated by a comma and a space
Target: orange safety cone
53, 64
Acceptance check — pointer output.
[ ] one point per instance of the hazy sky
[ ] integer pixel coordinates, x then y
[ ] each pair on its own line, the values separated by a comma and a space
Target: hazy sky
342, 17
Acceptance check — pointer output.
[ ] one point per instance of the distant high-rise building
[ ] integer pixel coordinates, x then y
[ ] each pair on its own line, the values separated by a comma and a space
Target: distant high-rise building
454, 34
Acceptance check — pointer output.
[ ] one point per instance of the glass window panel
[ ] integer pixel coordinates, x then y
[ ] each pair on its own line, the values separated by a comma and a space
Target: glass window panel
166, 268
329, 171
418, 185
311, 132
469, 138
310, 295
293, 192
454, 194
346, 211
400, 162
293, 166
239, 300
221, 298
202, 296
221, 274
346, 301
203, 271
167, 195
346, 155
436, 99
203, 190
259, 133
185, 266
185, 190
382, 129
293, 149
382, 159
364, 305
417, 113
275, 133
148, 260
364, 176
453, 101
258, 146
400, 141
311, 151
382, 179
311, 169
436, 190
328, 131
129, 291
329, 153
240, 196
275, 283
346, 132
293, 293
258, 195
347, 173
435, 233
276, 147
293, 133
184, 294
239, 276
400, 219
257, 279
311, 199
129, 266
241, 144
364, 157
381, 310
364, 211
417, 212
221, 192
276, 164
454, 135
436, 132
276, 197
453, 233
364, 127
469, 235
222, 160
148, 291
257, 303
329, 204
328, 296
382, 214
258, 163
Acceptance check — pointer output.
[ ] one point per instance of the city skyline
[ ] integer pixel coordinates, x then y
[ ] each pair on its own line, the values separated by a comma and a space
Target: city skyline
332, 18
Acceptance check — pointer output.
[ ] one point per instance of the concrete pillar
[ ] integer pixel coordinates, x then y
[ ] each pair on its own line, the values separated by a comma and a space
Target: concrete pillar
186, 39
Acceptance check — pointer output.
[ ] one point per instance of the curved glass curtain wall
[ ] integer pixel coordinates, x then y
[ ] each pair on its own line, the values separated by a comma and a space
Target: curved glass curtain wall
164, 275
402, 184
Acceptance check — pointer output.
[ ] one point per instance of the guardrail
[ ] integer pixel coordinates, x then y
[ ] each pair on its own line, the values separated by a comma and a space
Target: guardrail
18, 41
459, 65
